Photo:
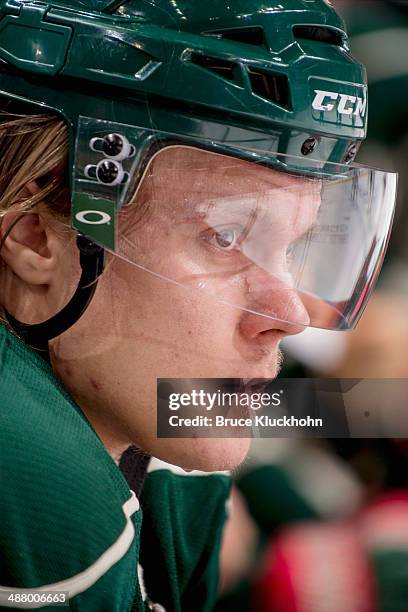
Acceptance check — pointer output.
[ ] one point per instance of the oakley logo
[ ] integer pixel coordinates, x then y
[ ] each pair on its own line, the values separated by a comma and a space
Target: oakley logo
346, 105
98, 217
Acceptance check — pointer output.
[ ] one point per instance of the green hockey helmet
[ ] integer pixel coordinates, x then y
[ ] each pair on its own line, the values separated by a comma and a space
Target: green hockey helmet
263, 96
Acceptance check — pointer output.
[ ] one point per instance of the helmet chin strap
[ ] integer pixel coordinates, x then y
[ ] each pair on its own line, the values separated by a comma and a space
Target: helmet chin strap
92, 260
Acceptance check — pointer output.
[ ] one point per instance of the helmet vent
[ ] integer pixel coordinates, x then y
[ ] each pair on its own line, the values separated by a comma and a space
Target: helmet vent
222, 68
319, 34
247, 36
272, 86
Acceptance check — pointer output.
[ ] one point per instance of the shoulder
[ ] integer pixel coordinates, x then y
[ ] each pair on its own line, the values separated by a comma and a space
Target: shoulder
183, 519
46, 443
67, 515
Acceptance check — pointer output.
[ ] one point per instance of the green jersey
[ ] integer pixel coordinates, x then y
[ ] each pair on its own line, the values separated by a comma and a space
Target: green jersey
69, 522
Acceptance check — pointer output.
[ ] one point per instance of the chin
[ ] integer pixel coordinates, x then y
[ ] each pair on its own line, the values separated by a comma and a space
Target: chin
204, 454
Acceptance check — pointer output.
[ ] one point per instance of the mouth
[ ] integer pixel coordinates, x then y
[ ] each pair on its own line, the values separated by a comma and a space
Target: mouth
253, 385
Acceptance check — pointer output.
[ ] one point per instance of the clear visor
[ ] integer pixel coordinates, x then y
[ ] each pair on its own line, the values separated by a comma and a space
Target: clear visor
304, 250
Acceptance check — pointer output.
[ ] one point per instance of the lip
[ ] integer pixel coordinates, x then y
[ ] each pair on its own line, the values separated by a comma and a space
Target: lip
254, 385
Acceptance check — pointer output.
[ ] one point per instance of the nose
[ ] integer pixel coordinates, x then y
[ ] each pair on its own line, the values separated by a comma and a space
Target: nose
273, 304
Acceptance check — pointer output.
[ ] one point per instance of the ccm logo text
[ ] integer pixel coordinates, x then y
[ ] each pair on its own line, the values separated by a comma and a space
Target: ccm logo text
346, 105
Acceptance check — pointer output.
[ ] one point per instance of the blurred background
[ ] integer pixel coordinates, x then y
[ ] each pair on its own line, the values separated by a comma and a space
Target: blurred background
322, 525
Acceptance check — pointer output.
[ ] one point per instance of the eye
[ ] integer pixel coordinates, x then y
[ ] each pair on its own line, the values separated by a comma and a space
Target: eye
226, 238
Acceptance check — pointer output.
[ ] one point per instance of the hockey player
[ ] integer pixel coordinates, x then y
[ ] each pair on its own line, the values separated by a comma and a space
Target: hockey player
177, 194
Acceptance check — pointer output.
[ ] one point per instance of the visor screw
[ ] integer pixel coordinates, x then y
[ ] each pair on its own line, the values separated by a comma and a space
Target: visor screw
107, 172
113, 145
351, 153
309, 146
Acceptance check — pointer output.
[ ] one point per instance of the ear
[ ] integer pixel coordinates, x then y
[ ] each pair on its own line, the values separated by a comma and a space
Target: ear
28, 249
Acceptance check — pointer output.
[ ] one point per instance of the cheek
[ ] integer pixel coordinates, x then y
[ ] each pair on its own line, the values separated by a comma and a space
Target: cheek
186, 323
